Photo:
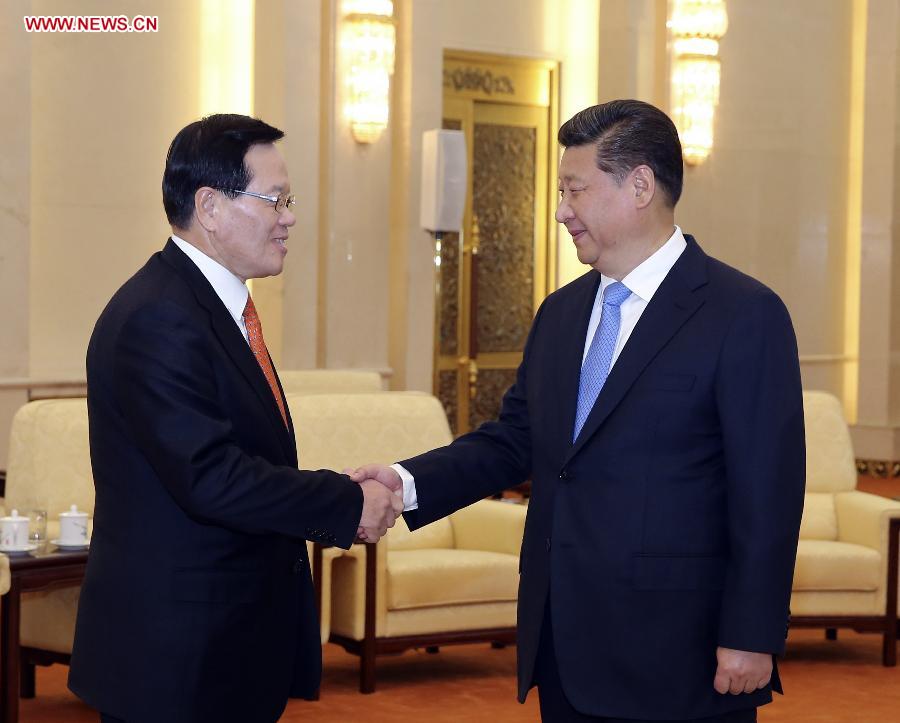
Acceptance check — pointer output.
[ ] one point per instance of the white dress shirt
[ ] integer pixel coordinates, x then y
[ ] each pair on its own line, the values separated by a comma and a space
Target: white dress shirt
643, 281
228, 287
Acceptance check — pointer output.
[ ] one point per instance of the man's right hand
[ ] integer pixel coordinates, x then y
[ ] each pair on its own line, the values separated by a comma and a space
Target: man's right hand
382, 473
381, 507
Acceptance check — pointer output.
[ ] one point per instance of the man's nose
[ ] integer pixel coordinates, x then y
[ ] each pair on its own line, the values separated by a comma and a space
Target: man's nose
288, 218
563, 211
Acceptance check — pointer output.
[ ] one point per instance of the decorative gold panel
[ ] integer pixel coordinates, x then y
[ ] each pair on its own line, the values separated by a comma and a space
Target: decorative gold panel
447, 393
492, 385
449, 299
503, 202
449, 280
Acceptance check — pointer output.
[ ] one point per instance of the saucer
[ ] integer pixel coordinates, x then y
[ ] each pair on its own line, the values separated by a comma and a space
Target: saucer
70, 545
19, 549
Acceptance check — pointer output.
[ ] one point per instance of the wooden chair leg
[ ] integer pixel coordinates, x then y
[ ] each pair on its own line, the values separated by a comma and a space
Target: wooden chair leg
889, 642
889, 650
367, 667
830, 633
497, 645
27, 685
369, 646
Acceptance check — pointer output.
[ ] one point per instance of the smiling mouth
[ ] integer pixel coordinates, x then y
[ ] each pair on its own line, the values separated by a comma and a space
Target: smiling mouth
280, 241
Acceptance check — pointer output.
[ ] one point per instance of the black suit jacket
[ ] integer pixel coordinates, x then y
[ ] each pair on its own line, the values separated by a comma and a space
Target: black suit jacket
669, 527
197, 603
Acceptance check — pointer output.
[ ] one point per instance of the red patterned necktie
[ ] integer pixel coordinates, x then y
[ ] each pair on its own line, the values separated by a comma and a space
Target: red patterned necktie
258, 347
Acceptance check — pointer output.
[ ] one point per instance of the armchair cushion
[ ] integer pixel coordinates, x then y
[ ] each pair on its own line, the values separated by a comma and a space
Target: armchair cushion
826, 565
49, 458
428, 578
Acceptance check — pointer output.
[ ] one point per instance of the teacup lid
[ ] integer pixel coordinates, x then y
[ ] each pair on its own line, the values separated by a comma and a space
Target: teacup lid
73, 512
13, 517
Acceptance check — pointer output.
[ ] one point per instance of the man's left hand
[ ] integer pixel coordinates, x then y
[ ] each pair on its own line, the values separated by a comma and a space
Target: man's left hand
741, 671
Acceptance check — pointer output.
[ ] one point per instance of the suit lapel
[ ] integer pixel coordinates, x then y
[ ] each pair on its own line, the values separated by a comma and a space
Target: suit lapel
676, 300
232, 341
571, 354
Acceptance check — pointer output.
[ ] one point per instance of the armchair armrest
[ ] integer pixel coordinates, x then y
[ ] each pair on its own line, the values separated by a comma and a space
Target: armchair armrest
359, 589
4, 574
864, 518
491, 526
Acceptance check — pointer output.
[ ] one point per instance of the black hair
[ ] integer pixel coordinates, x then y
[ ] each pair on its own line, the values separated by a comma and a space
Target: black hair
210, 152
630, 133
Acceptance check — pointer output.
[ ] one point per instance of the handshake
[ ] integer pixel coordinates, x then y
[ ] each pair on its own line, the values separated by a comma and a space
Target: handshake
382, 491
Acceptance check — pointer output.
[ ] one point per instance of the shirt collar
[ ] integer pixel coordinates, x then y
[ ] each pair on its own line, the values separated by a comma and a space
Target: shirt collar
645, 278
228, 287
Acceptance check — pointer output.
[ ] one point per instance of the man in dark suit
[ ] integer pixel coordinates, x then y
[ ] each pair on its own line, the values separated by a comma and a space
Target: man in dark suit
658, 412
197, 603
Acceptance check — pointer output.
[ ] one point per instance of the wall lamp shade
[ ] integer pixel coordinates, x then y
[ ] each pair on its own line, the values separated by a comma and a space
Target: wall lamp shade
443, 182
696, 27
368, 41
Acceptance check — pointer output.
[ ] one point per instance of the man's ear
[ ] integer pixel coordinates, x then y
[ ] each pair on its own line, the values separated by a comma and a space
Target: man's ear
644, 183
206, 207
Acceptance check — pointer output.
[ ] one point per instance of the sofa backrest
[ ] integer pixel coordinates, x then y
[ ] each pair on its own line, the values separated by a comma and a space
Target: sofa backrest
336, 431
329, 381
49, 464
830, 464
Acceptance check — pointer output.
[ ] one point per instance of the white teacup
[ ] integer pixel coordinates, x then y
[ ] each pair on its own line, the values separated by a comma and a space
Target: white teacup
73, 527
13, 531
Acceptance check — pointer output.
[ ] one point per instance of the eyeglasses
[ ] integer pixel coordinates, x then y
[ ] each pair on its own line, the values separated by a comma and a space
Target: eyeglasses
281, 202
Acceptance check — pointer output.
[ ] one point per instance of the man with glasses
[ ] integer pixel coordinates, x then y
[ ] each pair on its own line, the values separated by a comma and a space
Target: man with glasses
197, 603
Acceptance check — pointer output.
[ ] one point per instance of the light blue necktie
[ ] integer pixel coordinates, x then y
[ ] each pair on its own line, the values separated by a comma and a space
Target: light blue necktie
599, 357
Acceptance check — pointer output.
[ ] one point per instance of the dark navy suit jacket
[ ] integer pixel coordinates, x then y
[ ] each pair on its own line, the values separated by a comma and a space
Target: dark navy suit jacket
197, 603
670, 526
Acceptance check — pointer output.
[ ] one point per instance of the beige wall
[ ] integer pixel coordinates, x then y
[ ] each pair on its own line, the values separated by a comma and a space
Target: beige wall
15, 210
104, 107
15, 191
772, 198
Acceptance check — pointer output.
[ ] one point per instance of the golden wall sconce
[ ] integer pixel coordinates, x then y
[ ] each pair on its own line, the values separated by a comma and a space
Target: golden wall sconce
368, 42
697, 26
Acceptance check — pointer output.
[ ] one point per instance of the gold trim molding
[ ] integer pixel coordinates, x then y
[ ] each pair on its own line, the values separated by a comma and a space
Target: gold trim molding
880, 468
478, 79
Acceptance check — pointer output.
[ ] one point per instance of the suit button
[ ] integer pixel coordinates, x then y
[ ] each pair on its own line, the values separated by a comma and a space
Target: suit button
548, 544
298, 565
564, 475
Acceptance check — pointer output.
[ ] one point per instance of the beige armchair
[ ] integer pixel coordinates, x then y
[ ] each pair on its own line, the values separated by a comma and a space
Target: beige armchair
329, 381
4, 575
454, 581
847, 558
49, 469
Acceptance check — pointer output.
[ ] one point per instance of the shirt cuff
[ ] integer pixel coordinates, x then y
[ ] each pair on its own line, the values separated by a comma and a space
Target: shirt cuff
410, 500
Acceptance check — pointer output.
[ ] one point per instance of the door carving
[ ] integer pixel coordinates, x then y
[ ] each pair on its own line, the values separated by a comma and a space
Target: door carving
492, 277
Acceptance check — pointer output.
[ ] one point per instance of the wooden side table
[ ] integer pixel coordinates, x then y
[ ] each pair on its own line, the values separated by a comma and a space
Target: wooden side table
45, 568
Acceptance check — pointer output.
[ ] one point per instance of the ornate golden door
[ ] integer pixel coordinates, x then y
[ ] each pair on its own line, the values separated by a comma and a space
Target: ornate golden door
493, 276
